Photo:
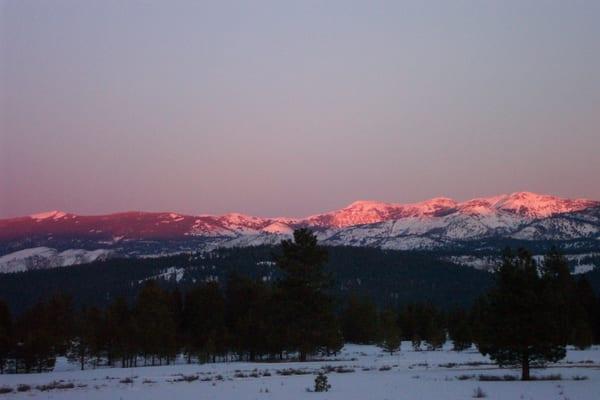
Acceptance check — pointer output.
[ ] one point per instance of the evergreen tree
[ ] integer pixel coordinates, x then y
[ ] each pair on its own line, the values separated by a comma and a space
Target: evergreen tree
423, 322
60, 321
204, 322
35, 349
522, 317
247, 316
6, 335
176, 306
459, 330
390, 339
155, 324
321, 383
122, 332
279, 329
583, 326
304, 301
333, 340
407, 320
432, 328
359, 321
86, 345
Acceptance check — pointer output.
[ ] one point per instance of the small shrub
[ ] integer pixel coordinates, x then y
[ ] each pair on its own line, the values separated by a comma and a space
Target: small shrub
46, 387
5, 389
23, 388
385, 368
465, 377
479, 393
321, 384
187, 378
69, 385
552, 377
495, 378
476, 363
292, 371
580, 378
55, 385
343, 370
148, 381
127, 380
448, 365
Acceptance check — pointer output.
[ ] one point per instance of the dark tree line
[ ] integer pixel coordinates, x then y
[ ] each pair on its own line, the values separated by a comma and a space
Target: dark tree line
246, 319
526, 319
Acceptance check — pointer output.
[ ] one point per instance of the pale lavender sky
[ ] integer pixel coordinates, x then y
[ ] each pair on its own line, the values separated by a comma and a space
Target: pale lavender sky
291, 108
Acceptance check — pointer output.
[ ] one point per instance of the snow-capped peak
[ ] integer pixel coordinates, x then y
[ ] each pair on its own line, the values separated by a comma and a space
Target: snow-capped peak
48, 215
539, 205
368, 205
278, 228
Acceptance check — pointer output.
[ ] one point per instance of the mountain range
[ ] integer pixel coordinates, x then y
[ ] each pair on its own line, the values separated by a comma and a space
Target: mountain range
439, 224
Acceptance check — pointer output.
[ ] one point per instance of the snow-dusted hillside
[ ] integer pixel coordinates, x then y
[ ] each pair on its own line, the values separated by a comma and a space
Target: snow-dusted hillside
439, 223
44, 257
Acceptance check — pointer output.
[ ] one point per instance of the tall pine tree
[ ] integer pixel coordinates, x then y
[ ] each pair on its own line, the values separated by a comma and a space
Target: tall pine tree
304, 301
522, 317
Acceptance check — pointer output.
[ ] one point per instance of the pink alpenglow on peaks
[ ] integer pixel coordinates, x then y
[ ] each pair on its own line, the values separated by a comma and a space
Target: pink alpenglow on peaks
489, 211
540, 205
48, 215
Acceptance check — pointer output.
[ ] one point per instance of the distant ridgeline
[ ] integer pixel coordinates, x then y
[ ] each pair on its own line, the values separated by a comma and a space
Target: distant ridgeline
389, 277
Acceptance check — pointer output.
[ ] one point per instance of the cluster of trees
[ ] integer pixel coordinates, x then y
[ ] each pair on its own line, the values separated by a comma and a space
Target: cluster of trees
246, 319
534, 311
527, 318
423, 324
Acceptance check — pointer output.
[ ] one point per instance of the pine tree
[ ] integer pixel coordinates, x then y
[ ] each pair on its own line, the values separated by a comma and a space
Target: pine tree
321, 383
433, 330
303, 297
390, 338
60, 319
122, 332
522, 316
86, 344
36, 343
247, 316
459, 330
155, 323
204, 322
583, 317
359, 321
6, 335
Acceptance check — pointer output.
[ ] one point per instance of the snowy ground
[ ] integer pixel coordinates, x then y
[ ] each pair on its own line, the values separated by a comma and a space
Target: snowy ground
365, 373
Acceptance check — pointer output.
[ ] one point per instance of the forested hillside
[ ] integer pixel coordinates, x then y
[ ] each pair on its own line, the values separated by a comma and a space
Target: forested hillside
389, 277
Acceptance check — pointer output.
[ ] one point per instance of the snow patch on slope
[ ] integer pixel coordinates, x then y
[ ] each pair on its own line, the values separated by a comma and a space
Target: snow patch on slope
46, 257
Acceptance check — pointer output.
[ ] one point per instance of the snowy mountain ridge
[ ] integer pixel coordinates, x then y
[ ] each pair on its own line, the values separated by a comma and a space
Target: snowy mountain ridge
439, 223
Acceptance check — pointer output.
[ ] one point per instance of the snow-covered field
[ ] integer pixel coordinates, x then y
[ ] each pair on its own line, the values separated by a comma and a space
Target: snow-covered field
363, 372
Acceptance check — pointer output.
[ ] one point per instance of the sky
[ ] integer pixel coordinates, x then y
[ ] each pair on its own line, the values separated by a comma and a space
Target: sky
292, 108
